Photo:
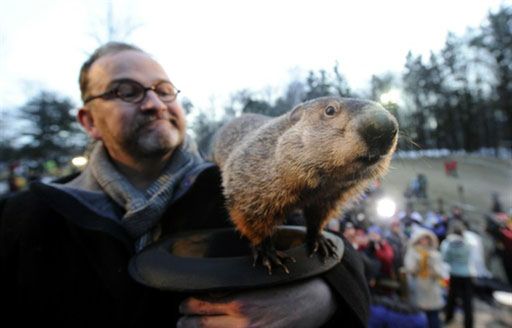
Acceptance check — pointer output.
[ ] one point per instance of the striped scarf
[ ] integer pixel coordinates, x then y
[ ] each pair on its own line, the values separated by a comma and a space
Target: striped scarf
143, 208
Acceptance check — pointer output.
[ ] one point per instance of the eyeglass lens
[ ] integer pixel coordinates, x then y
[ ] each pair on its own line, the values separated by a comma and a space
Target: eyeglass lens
132, 91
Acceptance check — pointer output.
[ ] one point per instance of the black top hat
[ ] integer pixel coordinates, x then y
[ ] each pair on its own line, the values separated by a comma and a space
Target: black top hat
219, 259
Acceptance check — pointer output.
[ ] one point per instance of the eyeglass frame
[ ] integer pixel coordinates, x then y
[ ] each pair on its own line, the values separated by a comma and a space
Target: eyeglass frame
113, 93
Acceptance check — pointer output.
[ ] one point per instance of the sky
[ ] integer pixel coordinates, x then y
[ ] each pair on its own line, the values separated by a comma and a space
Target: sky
212, 49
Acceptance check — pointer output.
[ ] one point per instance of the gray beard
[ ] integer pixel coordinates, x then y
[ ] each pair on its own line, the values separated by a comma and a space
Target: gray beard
147, 143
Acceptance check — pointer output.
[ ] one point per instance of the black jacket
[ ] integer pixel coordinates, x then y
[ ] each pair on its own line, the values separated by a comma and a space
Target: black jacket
62, 264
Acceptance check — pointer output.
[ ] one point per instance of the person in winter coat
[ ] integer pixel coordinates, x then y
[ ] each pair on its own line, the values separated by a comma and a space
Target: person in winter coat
387, 311
378, 248
457, 253
398, 241
425, 268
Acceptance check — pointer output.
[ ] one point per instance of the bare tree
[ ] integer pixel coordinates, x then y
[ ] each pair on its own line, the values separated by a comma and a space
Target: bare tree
113, 28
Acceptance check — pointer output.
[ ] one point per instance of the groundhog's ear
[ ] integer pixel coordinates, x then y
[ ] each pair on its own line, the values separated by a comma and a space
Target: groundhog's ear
296, 113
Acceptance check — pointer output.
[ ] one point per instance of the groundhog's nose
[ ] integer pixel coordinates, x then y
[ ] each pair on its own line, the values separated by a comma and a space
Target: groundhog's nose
378, 129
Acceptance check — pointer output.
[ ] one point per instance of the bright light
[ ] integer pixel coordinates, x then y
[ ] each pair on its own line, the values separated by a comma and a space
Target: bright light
79, 161
386, 207
503, 297
391, 97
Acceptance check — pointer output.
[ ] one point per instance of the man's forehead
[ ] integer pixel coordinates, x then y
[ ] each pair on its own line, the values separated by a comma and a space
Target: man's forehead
127, 64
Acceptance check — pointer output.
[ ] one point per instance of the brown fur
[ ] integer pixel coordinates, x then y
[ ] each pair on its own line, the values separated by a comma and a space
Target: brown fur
303, 159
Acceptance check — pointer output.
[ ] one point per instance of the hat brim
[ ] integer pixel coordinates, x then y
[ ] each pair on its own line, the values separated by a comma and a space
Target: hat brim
219, 259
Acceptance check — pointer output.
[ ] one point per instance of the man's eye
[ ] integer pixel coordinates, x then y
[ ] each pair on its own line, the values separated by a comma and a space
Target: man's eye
128, 90
165, 89
164, 92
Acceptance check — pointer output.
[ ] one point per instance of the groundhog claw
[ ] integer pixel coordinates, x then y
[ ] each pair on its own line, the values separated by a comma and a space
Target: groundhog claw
322, 246
269, 257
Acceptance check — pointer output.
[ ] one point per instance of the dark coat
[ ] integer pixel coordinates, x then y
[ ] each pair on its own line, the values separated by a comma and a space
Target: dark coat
391, 312
62, 264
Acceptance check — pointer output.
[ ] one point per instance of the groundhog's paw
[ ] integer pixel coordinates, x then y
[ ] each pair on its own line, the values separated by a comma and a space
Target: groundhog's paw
322, 246
266, 255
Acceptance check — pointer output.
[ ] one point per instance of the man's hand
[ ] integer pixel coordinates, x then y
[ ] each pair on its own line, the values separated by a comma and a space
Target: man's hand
308, 303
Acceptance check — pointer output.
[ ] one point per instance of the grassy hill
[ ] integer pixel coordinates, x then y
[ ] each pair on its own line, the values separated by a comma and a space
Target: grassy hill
477, 176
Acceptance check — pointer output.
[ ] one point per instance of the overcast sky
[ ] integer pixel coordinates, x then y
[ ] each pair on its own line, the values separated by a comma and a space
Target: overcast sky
213, 48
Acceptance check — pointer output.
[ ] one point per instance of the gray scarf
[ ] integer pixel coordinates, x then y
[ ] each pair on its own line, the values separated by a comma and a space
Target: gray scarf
143, 208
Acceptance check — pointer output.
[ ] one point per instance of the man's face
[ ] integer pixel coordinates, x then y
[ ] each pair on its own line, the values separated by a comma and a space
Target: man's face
149, 129
349, 233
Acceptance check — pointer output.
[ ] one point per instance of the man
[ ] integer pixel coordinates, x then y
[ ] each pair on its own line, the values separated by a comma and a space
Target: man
65, 246
457, 253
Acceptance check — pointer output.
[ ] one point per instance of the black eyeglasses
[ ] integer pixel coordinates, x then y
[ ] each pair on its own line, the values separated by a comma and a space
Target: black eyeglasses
134, 92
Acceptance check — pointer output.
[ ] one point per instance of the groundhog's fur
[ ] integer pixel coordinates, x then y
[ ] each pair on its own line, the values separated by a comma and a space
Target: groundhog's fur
305, 159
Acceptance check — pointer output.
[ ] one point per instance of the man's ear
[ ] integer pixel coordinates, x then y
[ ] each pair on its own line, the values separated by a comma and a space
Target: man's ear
85, 118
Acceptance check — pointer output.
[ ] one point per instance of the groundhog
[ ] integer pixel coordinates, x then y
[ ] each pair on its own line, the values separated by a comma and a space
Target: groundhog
314, 158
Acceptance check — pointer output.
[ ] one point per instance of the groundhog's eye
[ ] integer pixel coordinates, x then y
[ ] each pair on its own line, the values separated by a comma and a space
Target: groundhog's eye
330, 111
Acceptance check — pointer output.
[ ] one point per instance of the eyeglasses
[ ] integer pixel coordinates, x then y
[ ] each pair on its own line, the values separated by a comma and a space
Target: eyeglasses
134, 92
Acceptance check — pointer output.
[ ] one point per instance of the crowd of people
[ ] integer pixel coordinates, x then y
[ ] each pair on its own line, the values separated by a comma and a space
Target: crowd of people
419, 267
18, 174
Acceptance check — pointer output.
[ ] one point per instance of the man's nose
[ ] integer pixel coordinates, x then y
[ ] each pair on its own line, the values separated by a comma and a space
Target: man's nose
152, 102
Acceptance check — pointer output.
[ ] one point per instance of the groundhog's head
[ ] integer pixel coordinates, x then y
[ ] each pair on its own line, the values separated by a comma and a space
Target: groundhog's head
352, 138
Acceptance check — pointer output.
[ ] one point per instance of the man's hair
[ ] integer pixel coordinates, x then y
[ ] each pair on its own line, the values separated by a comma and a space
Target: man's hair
106, 49
458, 228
